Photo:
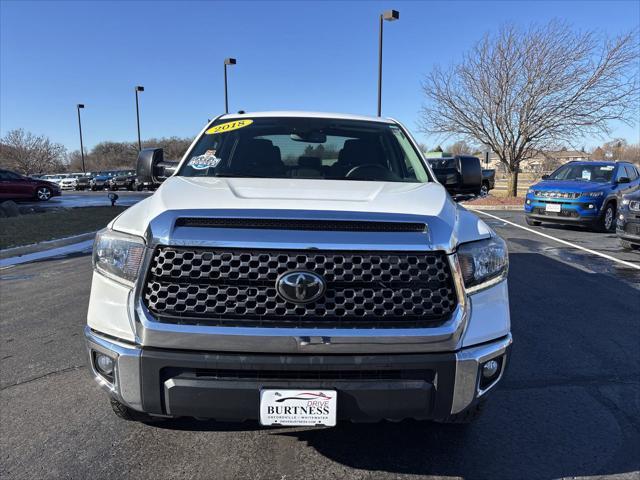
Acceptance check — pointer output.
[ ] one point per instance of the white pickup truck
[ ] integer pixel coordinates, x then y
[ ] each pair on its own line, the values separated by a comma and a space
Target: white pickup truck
299, 269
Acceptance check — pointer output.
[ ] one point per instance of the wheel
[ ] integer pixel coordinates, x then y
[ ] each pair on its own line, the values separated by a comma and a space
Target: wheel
467, 416
126, 413
533, 223
627, 245
43, 194
139, 187
122, 411
484, 190
607, 221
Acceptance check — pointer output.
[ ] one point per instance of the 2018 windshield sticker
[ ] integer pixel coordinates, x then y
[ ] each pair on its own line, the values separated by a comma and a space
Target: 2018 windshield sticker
607, 167
229, 126
208, 160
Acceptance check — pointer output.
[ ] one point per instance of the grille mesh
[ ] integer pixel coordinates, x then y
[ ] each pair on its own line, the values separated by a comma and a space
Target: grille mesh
554, 194
238, 288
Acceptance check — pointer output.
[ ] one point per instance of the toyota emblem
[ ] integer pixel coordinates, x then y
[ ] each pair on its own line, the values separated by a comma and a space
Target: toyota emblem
300, 286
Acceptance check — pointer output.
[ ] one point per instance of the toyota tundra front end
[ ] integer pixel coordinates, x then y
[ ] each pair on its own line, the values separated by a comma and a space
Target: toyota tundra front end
298, 269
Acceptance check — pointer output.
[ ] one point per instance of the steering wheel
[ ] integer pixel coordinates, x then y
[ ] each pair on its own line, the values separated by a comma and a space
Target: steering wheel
370, 170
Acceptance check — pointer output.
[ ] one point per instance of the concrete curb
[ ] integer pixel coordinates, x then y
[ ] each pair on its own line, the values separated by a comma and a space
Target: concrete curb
43, 246
494, 207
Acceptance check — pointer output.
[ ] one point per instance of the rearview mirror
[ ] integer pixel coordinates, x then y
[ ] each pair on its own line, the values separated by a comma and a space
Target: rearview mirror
309, 137
624, 180
545, 177
151, 166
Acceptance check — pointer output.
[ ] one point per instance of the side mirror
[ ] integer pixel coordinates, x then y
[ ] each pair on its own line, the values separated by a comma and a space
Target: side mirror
624, 180
469, 176
151, 166
545, 177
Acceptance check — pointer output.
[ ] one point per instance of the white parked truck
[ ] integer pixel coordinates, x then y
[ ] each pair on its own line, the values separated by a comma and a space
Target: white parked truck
299, 269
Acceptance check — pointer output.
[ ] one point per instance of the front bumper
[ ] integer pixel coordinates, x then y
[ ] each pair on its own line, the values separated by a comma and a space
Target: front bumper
579, 211
628, 227
226, 386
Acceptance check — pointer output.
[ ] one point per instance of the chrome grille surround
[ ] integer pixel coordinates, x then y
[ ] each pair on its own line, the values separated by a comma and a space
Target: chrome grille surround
555, 194
236, 287
162, 230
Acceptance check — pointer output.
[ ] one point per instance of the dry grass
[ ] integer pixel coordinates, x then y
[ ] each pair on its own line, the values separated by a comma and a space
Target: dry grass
58, 223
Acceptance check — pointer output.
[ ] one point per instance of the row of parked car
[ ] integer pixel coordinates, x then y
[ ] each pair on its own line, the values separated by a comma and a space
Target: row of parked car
104, 180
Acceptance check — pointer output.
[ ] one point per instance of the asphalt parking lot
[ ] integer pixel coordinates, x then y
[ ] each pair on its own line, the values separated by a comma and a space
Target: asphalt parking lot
568, 407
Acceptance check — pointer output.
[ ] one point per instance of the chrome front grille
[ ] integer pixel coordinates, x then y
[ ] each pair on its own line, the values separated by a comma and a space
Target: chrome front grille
233, 287
554, 194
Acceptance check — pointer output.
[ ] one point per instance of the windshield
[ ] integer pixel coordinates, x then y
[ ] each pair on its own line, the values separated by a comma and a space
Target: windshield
309, 148
585, 173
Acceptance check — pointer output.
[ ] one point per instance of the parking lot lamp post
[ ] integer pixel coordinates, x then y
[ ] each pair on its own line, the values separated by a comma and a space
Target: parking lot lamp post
227, 61
390, 16
139, 88
81, 105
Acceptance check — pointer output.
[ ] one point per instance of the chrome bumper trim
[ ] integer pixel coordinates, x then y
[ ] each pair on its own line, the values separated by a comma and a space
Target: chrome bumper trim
468, 363
127, 381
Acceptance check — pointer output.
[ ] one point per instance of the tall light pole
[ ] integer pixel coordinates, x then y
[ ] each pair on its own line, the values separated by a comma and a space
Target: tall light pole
139, 88
81, 105
390, 16
227, 61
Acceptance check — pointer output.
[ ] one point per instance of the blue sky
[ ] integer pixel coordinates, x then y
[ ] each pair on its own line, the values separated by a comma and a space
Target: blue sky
291, 56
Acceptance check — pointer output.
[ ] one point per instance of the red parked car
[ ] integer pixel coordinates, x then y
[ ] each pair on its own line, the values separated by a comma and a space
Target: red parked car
15, 186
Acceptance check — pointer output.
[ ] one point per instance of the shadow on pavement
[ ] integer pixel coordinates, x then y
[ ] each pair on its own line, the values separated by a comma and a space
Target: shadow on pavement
568, 405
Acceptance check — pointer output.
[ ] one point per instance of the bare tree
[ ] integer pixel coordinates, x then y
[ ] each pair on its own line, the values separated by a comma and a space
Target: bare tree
28, 153
522, 91
122, 155
460, 147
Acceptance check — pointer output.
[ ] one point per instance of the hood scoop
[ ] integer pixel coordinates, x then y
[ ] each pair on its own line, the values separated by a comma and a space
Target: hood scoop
307, 225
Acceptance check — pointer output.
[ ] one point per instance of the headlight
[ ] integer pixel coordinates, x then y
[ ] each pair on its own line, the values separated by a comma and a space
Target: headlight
594, 194
530, 191
118, 255
483, 263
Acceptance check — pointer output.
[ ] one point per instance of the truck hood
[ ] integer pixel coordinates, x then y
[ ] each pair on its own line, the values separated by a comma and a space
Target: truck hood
448, 223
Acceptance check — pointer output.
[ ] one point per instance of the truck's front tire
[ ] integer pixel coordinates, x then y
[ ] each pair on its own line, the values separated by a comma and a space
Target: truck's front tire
122, 411
467, 416
129, 414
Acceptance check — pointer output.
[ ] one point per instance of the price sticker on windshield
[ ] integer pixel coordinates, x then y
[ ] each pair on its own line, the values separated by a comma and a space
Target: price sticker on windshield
229, 126
586, 175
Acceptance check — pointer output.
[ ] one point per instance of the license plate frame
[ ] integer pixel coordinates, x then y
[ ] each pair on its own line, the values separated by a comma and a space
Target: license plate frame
298, 407
553, 208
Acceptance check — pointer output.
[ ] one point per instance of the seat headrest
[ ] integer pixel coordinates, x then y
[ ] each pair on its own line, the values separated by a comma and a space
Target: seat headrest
359, 152
258, 151
310, 162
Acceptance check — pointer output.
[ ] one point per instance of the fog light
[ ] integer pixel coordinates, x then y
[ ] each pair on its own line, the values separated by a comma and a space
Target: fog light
621, 217
591, 205
528, 202
490, 368
104, 364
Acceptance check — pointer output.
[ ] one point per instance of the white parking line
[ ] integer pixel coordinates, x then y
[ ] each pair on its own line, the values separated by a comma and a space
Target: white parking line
573, 245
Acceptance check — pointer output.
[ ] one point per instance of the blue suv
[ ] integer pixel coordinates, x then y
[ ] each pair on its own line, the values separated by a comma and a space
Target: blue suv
581, 193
